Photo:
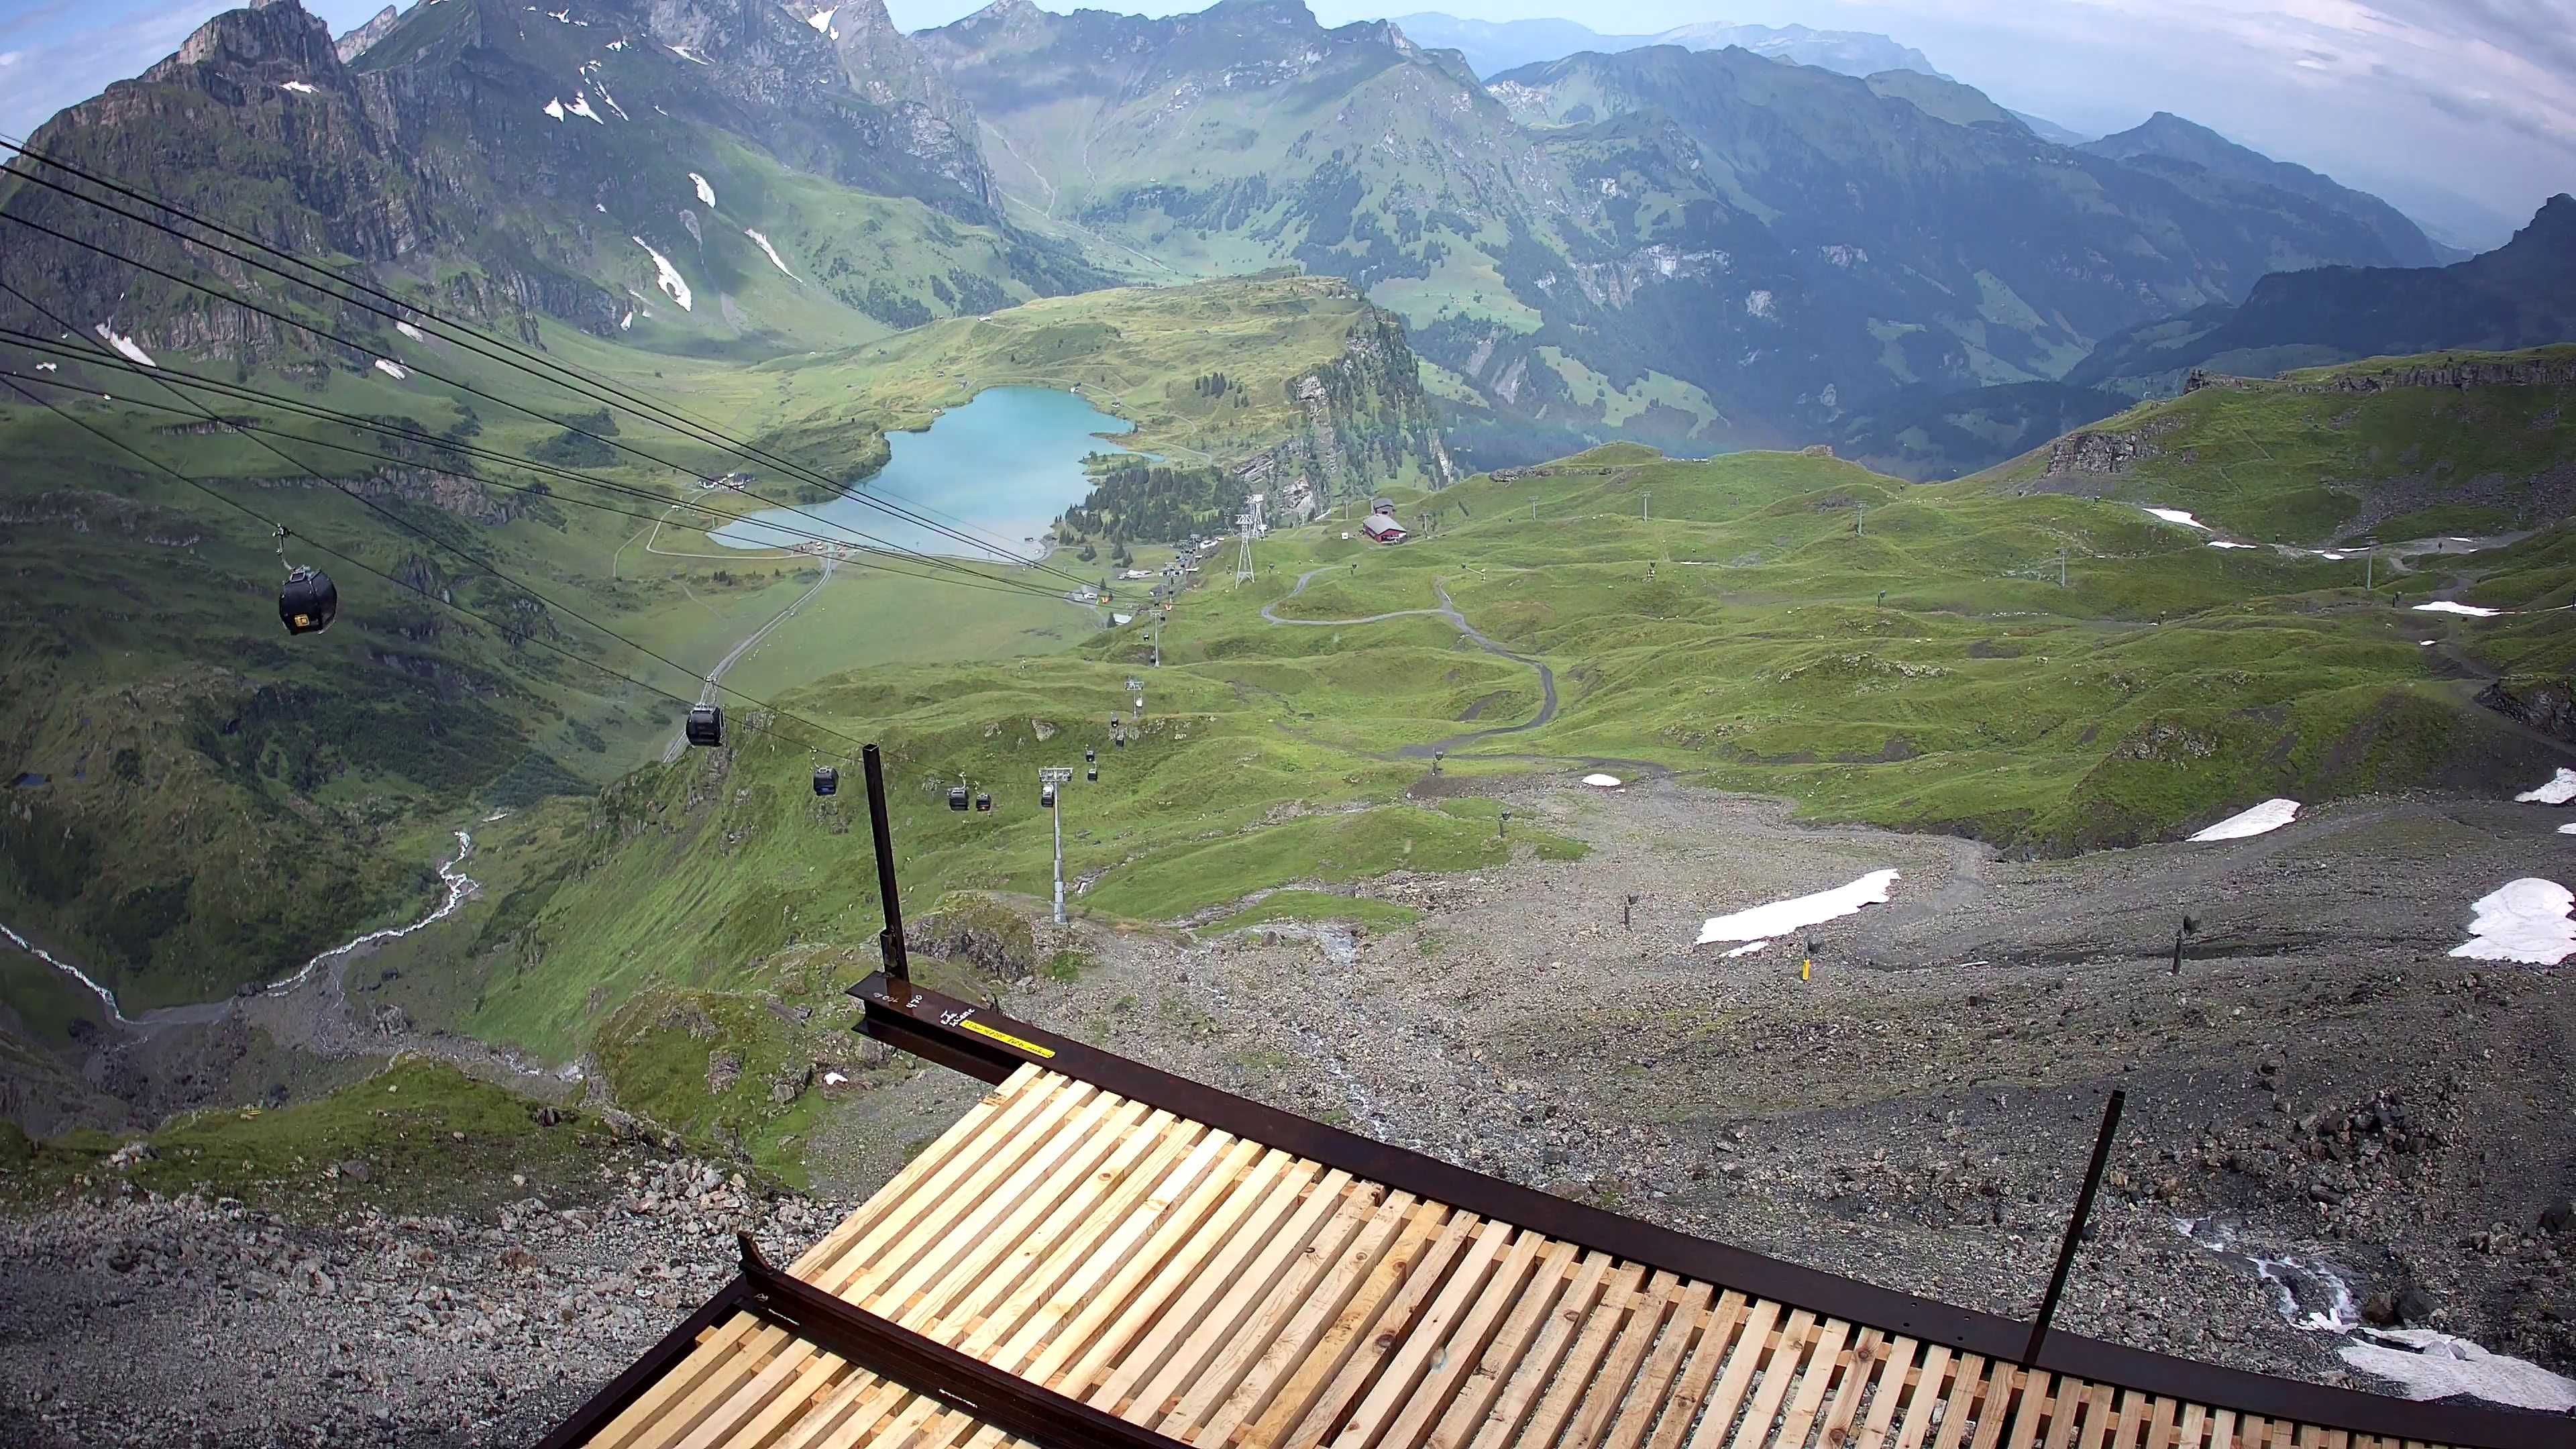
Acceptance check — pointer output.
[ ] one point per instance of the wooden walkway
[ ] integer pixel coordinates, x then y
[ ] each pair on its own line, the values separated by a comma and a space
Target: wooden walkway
1218, 1291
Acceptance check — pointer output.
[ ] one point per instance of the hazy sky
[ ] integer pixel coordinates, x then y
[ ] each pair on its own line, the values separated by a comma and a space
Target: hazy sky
2461, 111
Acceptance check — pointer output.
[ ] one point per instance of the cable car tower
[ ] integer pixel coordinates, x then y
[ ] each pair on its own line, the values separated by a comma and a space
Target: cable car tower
1051, 783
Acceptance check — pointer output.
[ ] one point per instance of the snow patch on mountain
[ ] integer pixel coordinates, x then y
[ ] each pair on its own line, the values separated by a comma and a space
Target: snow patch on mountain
821, 20
770, 250
301, 88
393, 370
123, 344
670, 280
554, 108
581, 107
706, 193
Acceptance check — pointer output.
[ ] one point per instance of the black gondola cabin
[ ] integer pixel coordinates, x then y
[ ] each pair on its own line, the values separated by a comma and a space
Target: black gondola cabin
307, 601
984, 803
706, 725
957, 797
827, 780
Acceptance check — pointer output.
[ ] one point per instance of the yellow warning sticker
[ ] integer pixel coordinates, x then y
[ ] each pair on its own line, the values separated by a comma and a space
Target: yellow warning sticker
1006, 1039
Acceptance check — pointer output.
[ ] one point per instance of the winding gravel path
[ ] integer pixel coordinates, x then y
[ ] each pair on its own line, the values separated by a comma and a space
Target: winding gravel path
1448, 610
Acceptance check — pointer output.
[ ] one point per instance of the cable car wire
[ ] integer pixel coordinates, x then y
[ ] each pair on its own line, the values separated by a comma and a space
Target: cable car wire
472, 343
474, 339
467, 554
931, 559
506, 627
995, 585
92, 356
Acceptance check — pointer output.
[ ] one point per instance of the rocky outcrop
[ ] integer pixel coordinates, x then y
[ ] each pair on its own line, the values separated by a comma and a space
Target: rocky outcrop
2101, 452
1365, 418
2544, 704
354, 44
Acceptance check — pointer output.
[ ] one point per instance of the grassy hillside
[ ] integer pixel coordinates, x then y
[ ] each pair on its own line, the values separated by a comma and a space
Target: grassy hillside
2330, 454
205, 802
1916, 664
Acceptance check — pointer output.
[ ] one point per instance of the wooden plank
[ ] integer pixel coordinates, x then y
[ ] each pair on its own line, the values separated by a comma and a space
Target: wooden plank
1787, 1359
2194, 1426
1464, 1328
1184, 1283
1626, 1293
1012, 1205
1301, 1308
1007, 1293
1094, 1294
2222, 1429
1868, 1358
950, 1201
969, 1128
1876, 1429
1928, 1390
712, 1354
1537, 1362
1172, 1344
1752, 1350
1652, 1389
1825, 1364
1219, 1329
725, 1374
2063, 1404
849, 1416
1716, 1336
1433, 1237
1975, 1379
2016, 1396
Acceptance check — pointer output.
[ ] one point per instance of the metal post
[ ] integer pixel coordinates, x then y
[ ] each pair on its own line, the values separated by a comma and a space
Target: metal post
1058, 777
2075, 1225
2369, 570
2061, 568
898, 966
1648, 511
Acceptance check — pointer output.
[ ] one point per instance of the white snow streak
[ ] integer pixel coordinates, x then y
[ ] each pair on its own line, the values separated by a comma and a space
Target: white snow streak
2426, 1363
2222, 543
1747, 949
2176, 515
2523, 920
2560, 789
554, 108
48, 367
393, 370
2445, 606
771, 250
627, 321
1606, 782
409, 331
706, 193
1782, 917
2568, 829
301, 88
821, 20
682, 52
670, 280
581, 107
123, 344
2263, 819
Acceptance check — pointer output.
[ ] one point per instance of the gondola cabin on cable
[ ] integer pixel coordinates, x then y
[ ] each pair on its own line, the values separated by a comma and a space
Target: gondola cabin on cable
706, 725
984, 804
307, 601
957, 798
1046, 796
827, 780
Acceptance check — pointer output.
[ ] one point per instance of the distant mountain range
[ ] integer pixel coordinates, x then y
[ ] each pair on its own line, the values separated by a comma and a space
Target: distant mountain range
1492, 47
2522, 294
1699, 248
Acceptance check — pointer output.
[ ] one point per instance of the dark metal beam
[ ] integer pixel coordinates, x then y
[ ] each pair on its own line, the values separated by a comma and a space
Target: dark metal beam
928, 1367
989, 1046
660, 1359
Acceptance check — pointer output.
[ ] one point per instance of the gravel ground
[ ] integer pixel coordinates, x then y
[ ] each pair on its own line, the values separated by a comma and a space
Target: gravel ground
2321, 1088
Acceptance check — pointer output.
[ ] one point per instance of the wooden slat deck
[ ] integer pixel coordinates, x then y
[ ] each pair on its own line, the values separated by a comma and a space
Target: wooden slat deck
1221, 1292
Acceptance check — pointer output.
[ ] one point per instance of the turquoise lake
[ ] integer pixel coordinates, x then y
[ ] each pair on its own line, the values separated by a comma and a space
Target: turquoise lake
1003, 468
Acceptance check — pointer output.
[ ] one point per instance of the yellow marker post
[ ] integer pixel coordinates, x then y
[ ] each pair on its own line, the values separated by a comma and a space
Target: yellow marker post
1805, 967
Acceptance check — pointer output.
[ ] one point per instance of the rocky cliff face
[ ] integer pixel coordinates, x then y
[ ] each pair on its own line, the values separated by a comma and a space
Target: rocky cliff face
355, 43
1366, 419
